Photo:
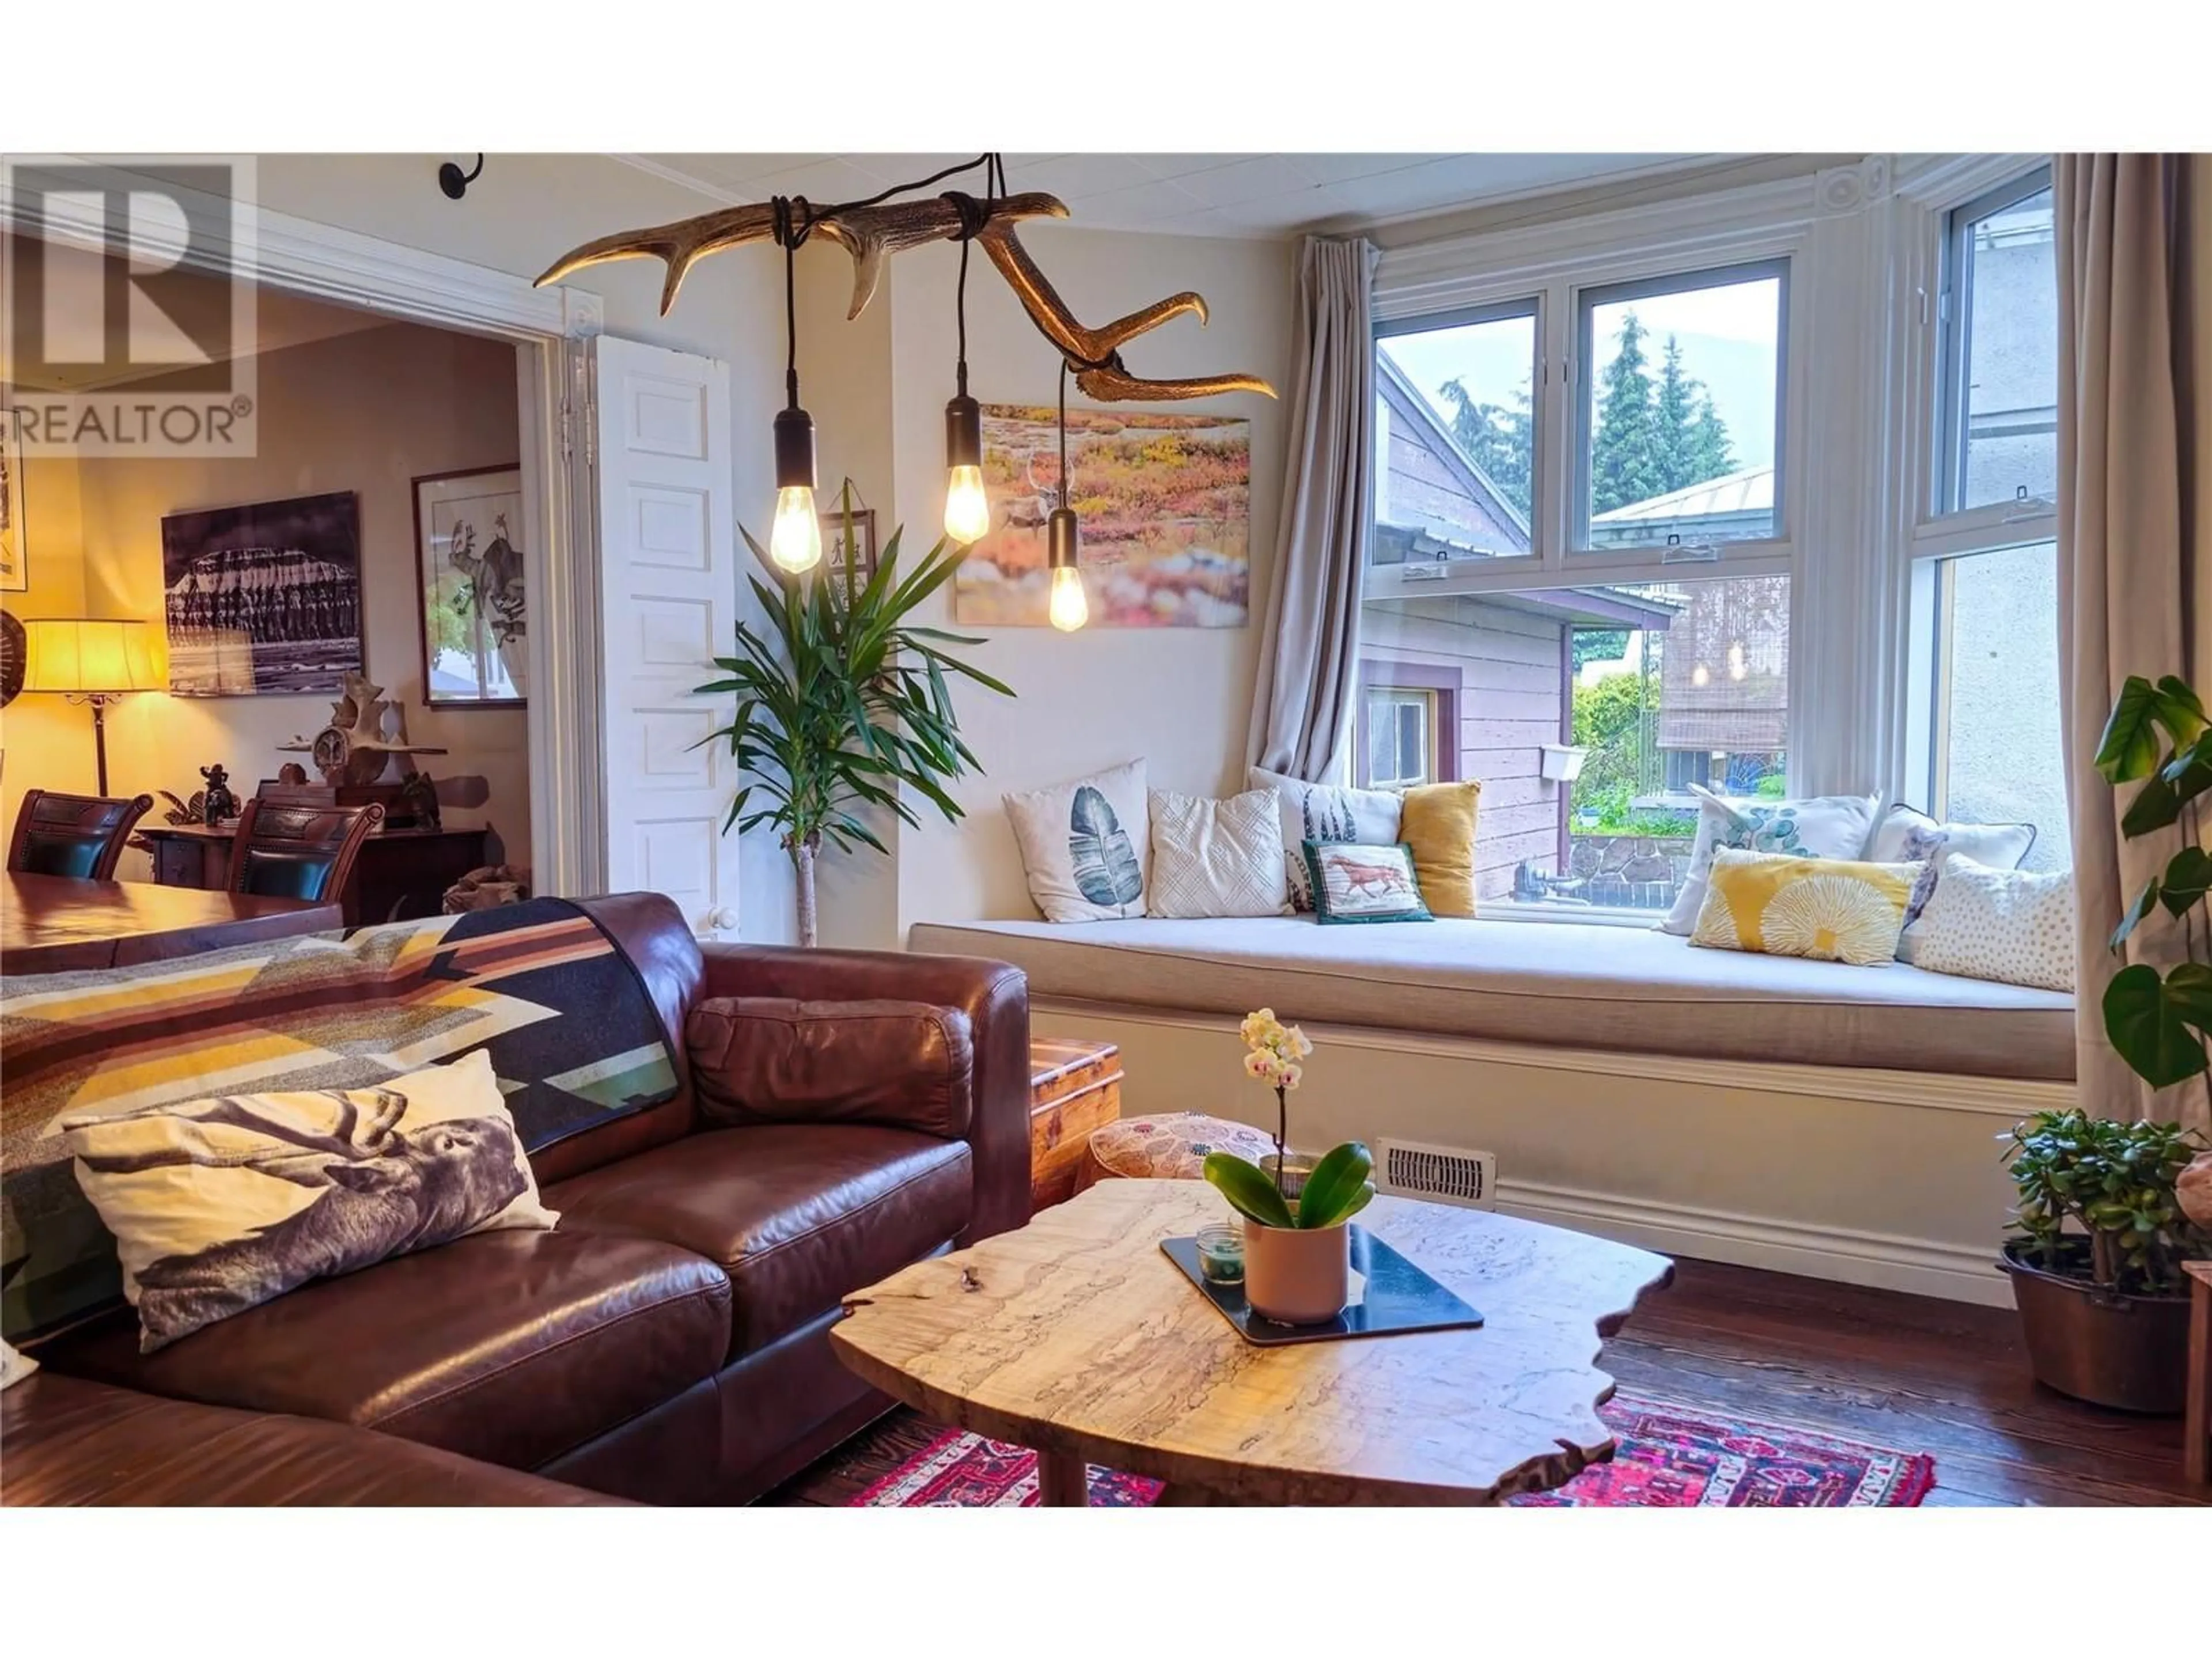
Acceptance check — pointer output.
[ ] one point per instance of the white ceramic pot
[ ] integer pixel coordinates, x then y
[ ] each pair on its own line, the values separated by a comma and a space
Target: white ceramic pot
1297, 1276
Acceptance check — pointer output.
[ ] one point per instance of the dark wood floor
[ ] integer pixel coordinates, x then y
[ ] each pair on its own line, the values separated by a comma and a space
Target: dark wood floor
1904, 1371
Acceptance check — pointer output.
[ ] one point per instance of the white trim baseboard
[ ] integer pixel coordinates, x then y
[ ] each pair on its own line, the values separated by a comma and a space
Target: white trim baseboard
1923, 1266
2009, 1098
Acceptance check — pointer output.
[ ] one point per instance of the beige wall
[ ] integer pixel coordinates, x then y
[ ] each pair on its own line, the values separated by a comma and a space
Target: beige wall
1179, 697
48, 744
367, 412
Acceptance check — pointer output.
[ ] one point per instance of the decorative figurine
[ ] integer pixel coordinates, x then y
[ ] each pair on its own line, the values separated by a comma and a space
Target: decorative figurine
420, 794
292, 772
219, 804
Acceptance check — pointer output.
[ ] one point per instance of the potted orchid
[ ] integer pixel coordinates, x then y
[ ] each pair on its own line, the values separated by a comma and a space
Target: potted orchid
1298, 1244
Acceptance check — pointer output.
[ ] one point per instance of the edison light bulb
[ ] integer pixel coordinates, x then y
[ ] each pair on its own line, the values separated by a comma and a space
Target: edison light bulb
795, 542
1069, 609
967, 508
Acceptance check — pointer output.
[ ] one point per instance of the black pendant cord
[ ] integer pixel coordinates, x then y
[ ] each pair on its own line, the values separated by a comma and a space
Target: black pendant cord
1063, 432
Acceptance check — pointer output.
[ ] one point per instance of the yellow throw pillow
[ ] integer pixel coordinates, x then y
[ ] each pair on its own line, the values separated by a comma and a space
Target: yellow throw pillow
1828, 909
1436, 820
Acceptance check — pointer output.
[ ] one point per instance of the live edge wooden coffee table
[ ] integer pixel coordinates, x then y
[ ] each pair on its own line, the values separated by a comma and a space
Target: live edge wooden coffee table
1077, 1337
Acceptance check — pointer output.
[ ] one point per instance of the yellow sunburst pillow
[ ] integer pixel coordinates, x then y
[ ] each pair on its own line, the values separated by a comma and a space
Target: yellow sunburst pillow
1830, 909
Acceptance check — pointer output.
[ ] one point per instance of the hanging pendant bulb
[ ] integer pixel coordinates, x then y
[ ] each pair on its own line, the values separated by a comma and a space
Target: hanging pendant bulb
795, 541
1069, 608
967, 508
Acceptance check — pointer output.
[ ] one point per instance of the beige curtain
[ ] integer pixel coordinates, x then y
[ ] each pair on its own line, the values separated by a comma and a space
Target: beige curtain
1303, 705
2133, 561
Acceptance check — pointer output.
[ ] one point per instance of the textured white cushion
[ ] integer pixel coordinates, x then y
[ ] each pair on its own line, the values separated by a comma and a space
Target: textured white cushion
1908, 836
1087, 845
1323, 813
1820, 827
2011, 926
1216, 858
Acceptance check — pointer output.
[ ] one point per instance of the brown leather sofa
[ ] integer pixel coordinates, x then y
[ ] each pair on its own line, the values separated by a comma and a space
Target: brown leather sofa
669, 1341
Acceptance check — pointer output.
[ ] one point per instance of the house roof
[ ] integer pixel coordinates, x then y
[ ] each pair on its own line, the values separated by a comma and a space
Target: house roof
1750, 490
1438, 439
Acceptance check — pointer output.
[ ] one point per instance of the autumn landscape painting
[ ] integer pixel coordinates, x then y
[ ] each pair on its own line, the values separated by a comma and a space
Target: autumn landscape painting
1165, 505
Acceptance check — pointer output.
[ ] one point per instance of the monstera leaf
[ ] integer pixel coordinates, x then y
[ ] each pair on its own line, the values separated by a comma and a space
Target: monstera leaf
1106, 868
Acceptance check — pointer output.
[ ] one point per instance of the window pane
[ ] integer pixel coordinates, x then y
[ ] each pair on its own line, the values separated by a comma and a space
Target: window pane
1679, 420
1995, 741
1456, 440
1659, 686
2005, 410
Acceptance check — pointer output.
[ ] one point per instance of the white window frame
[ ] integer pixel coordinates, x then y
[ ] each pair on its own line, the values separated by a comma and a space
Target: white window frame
1399, 696
1530, 306
1584, 428
1931, 351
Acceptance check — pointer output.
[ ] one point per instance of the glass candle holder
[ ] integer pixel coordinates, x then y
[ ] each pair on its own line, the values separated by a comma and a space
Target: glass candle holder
1221, 1254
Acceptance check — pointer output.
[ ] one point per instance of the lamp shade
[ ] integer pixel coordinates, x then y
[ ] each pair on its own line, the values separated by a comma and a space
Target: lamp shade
81, 654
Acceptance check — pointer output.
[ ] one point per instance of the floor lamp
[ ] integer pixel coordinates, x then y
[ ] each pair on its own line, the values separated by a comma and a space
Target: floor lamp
90, 660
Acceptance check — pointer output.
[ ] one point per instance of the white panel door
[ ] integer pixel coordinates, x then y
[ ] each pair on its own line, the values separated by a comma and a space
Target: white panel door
669, 578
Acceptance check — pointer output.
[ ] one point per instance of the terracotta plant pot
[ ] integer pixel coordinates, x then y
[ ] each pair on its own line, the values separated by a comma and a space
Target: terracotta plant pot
1296, 1276
2131, 1352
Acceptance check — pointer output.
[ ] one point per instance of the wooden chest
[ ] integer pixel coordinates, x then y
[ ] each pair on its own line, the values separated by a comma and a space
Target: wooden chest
1075, 1086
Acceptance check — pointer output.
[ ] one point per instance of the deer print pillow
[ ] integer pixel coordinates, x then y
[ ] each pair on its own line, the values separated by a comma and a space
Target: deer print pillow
1087, 845
220, 1205
1355, 881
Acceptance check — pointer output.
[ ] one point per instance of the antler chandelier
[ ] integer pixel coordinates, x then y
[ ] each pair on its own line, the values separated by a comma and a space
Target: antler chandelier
871, 231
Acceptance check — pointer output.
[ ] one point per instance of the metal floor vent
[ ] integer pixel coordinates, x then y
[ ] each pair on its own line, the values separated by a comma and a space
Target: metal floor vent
1443, 1174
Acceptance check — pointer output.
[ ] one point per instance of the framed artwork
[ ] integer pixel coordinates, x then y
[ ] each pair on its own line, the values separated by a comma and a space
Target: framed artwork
14, 564
468, 570
263, 600
834, 550
1164, 502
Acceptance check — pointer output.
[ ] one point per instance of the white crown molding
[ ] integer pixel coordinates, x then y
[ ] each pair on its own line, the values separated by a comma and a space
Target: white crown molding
1937, 182
345, 267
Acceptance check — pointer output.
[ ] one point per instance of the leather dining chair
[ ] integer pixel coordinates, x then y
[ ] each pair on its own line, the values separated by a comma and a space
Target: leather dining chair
299, 852
77, 836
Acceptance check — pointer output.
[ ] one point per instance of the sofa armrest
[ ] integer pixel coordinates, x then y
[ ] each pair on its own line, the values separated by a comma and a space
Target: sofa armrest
995, 996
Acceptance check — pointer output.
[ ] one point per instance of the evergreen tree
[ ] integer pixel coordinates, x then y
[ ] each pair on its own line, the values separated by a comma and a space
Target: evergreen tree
1672, 415
1501, 441
1625, 465
1711, 454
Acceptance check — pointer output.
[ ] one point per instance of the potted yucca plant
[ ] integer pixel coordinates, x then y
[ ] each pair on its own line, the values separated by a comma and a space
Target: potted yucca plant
1297, 1246
844, 706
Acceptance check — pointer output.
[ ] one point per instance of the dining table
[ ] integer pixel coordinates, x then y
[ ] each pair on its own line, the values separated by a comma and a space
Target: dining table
58, 924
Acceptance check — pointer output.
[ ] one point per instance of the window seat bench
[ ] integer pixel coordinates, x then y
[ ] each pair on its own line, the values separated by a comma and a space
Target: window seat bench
1568, 984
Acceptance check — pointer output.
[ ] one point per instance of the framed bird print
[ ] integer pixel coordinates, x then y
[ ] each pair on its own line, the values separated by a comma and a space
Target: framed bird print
468, 559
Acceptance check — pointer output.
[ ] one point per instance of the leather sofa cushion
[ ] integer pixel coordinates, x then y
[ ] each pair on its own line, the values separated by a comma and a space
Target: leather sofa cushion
778, 1059
799, 1216
513, 1347
71, 1441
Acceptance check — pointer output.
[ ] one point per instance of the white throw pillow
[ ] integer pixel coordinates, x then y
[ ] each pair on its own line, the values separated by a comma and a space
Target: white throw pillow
1087, 845
2013, 925
1324, 813
1908, 836
220, 1205
1820, 827
1217, 858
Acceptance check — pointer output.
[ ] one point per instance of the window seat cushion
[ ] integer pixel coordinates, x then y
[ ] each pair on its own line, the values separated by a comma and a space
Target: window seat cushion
1570, 985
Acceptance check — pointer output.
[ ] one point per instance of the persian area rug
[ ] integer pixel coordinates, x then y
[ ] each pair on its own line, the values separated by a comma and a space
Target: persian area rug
1670, 1457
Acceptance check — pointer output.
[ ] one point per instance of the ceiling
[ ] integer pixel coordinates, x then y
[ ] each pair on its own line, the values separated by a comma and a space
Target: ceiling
1210, 195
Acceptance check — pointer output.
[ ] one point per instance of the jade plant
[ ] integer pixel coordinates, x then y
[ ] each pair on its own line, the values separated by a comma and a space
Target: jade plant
1337, 1188
2097, 1200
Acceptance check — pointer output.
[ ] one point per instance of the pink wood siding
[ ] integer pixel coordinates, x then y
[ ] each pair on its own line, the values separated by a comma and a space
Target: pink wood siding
1508, 664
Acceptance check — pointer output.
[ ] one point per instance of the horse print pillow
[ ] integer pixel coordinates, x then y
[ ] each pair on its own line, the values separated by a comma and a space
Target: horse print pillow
1361, 881
220, 1205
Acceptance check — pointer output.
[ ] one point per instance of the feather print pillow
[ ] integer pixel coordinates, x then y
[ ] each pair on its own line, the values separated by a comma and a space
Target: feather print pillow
1087, 845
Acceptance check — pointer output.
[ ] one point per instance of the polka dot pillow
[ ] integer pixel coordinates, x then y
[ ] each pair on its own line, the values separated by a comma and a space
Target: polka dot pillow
2008, 925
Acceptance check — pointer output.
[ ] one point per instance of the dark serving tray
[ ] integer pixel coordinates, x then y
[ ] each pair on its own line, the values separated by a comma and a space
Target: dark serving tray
1389, 1296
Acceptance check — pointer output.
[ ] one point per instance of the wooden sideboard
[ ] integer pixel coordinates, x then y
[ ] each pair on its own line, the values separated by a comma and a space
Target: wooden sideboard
401, 874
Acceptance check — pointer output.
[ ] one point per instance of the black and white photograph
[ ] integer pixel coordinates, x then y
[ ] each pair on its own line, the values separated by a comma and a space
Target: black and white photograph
263, 600
14, 570
468, 560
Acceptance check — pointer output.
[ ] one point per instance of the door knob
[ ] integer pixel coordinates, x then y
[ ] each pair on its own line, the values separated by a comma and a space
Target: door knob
721, 918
